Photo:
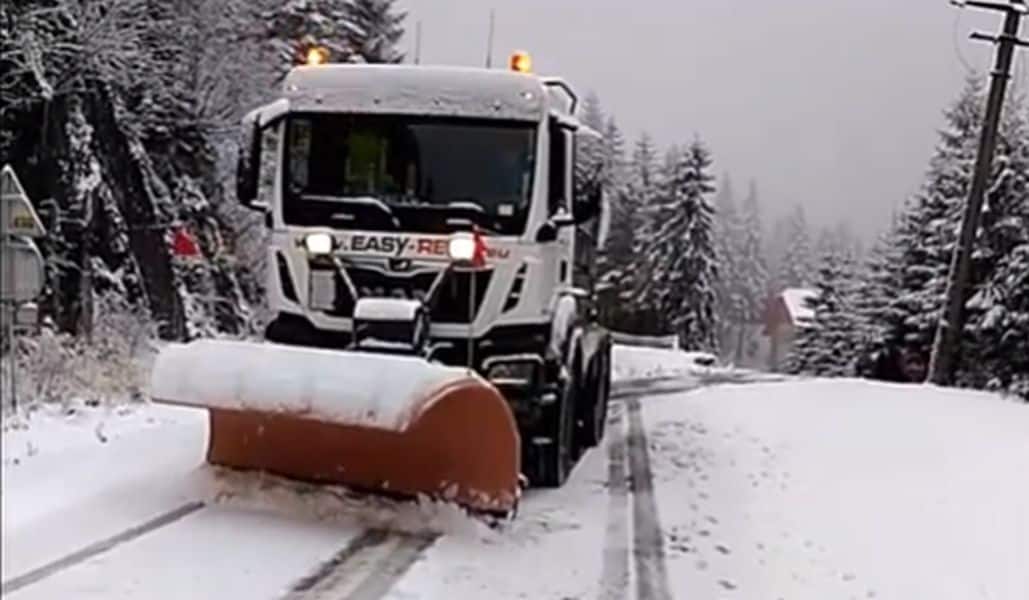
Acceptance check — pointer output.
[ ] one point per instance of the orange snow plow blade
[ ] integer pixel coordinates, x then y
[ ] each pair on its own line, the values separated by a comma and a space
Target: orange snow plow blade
451, 435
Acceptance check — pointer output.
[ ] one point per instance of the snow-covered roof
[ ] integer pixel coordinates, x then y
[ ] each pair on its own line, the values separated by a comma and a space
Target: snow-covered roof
423, 90
795, 301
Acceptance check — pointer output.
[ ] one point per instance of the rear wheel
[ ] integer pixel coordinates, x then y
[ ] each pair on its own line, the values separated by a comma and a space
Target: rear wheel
593, 416
552, 462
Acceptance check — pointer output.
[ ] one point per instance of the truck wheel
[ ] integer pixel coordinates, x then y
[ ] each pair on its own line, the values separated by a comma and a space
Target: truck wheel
595, 399
553, 462
283, 331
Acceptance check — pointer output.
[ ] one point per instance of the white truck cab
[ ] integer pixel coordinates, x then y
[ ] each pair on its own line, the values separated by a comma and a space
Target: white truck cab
444, 211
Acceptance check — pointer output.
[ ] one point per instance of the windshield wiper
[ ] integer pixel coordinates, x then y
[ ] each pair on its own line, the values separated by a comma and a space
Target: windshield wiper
363, 201
466, 205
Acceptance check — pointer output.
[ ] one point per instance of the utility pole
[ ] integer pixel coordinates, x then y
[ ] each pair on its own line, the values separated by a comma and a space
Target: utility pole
418, 43
489, 39
948, 333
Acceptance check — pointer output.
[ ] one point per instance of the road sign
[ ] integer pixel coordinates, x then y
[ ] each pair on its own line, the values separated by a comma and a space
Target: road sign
17, 216
22, 270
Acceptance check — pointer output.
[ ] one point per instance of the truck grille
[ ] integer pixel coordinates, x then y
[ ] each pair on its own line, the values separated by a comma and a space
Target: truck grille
452, 300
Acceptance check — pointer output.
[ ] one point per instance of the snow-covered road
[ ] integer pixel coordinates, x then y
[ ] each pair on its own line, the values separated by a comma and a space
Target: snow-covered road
820, 490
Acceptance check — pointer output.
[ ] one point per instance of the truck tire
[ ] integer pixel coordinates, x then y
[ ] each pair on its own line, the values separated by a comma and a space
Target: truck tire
593, 416
551, 464
287, 331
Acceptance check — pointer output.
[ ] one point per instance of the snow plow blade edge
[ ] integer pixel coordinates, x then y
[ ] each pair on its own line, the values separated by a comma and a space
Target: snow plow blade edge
451, 436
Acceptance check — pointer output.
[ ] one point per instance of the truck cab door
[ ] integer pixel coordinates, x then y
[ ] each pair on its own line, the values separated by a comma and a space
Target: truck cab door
557, 233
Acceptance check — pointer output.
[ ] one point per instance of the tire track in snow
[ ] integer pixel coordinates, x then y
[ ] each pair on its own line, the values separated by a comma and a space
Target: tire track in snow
406, 552
614, 582
365, 569
329, 573
648, 540
52, 568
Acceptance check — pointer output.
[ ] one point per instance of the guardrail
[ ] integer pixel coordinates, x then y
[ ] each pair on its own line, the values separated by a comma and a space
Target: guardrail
670, 342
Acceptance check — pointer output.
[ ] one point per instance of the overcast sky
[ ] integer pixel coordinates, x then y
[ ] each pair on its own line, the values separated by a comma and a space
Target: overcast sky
830, 103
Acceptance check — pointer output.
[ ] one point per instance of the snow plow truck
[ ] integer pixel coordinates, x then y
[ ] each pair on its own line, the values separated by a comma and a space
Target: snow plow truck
431, 267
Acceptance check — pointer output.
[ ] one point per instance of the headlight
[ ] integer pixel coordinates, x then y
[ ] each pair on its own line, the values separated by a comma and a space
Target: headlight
461, 247
318, 243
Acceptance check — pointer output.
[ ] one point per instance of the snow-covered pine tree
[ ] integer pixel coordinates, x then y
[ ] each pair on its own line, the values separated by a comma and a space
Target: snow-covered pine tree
930, 228
643, 162
751, 269
618, 254
592, 112
376, 26
775, 249
839, 238
996, 354
683, 250
795, 268
927, 231
650, 291
129, 144
639, 194
729, 291
614, 155
288, 25
879, 321
825, 347
1002, 330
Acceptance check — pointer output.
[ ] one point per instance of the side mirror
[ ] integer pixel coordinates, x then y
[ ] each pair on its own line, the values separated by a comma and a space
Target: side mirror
549, 230
248, 165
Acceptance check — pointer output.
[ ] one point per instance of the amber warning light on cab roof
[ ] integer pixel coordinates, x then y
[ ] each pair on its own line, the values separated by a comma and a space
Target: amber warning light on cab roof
316, 55
521, 61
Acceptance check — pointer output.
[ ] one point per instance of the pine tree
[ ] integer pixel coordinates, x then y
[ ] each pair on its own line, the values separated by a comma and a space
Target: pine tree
682, 253
752, 271
996, 353
878, 318
730, 293
912, 273
614, 153
795, 268
623, 204
839, 239
642, 164
651, 273
592, 113
638, 195
375, 28
825, 347
287, 26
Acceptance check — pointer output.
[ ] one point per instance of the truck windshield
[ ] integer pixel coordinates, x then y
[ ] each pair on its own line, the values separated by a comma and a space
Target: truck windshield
408, 173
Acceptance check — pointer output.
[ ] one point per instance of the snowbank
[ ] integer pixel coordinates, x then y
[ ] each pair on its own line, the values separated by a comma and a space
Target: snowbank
633, 362
49, 429
336, 504
377, 390
843, 489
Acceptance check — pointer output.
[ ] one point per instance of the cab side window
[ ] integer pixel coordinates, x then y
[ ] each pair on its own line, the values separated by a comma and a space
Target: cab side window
559, 142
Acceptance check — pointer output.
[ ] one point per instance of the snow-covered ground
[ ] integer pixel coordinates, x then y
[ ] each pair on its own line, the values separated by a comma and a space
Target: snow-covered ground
792, 489
843, 489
